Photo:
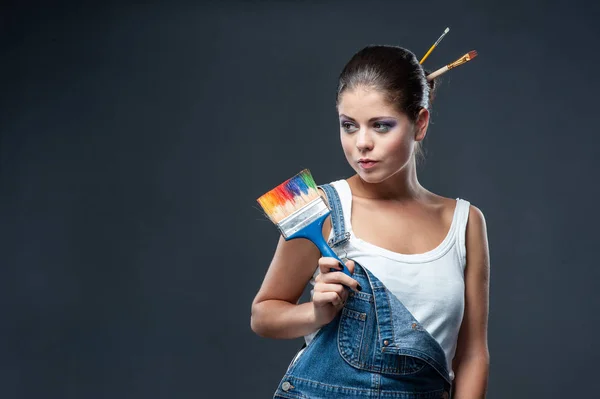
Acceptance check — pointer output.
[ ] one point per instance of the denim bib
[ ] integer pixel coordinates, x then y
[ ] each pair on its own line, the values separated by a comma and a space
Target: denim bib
373, 348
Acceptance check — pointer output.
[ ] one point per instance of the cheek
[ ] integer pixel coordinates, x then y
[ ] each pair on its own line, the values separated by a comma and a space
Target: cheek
398, 145
346, 143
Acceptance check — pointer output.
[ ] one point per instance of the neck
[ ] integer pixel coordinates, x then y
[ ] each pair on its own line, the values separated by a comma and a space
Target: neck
402, 186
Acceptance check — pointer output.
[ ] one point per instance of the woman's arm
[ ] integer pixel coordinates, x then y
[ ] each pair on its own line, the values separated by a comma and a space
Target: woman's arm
275, 309
471, 363
275, 312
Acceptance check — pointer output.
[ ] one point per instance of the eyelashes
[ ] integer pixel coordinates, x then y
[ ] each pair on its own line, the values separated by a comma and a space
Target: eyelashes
381, 127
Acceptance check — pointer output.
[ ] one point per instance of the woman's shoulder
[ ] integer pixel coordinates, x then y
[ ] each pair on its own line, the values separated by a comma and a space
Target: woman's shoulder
323, 195
327, 223
448, 208
446, 204
470, 212
335, 184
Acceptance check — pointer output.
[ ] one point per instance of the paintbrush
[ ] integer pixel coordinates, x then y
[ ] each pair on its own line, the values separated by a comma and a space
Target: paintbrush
434, 45
465, 58
298, 211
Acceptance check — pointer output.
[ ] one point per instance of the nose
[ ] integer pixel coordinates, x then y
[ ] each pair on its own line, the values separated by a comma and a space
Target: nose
364, 140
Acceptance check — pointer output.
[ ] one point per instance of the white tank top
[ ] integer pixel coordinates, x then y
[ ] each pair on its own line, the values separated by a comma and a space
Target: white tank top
430, 285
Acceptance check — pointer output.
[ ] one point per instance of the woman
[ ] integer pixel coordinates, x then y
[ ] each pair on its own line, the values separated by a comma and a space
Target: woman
420, 261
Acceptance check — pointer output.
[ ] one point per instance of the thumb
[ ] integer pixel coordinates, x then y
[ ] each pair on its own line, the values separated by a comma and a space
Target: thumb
350, 266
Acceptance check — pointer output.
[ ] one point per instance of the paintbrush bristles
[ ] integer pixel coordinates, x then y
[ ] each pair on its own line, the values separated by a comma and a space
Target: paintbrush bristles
289, 196
465, 58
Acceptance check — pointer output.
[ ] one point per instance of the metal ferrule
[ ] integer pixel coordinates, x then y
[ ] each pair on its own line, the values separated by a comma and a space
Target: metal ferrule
459, 61
303, 217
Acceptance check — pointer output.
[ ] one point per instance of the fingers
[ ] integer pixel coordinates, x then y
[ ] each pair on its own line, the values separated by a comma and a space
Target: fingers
326, 287
350, 266
341, 293
324, 298
337, 278
327, 276
328, 263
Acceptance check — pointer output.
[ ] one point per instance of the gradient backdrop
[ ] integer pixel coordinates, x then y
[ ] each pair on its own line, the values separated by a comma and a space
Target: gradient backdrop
134, 140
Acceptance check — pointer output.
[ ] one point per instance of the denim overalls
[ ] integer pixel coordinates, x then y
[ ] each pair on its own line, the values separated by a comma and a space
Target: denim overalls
373, 348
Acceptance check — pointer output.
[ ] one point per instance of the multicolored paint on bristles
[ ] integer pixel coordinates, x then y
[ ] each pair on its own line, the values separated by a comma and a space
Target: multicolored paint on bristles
289, 197
298, 211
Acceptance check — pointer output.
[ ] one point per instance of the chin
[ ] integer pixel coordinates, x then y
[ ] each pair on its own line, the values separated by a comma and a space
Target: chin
370, 177
376, 176
371, 180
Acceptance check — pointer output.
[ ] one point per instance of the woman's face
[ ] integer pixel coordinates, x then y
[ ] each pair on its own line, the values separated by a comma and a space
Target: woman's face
371, 128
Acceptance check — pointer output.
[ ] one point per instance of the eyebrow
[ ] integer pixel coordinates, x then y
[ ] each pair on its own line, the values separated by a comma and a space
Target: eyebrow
370, 120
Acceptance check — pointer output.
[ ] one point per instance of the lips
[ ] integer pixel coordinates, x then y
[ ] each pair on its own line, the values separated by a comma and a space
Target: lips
367, 164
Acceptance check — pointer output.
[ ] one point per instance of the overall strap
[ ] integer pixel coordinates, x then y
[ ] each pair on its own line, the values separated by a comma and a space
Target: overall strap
340, 235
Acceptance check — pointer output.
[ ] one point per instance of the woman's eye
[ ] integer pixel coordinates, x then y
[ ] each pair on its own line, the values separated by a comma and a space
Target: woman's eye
347, 126
382, 127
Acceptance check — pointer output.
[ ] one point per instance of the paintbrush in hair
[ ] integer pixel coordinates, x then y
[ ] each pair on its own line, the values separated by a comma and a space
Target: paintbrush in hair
465, 58
434, 45
298, 211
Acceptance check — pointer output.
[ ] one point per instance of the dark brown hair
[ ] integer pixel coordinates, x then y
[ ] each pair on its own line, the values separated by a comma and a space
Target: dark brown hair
394, 71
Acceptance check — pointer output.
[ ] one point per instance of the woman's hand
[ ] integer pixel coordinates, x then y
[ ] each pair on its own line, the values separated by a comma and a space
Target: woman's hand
330, 295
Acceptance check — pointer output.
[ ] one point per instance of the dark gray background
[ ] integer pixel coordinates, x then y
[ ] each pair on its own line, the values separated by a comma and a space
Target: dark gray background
135, 140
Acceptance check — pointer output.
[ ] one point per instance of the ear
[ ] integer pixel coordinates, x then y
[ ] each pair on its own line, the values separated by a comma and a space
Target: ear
421, 124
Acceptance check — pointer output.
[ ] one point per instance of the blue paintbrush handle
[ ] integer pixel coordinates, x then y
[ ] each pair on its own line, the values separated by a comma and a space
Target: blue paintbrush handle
327, 251
314, 233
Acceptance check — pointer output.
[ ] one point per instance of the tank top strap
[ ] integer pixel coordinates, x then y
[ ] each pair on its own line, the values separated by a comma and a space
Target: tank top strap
340, 233
461, 231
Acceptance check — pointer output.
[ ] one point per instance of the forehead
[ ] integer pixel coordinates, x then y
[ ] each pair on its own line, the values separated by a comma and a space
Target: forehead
364, 102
